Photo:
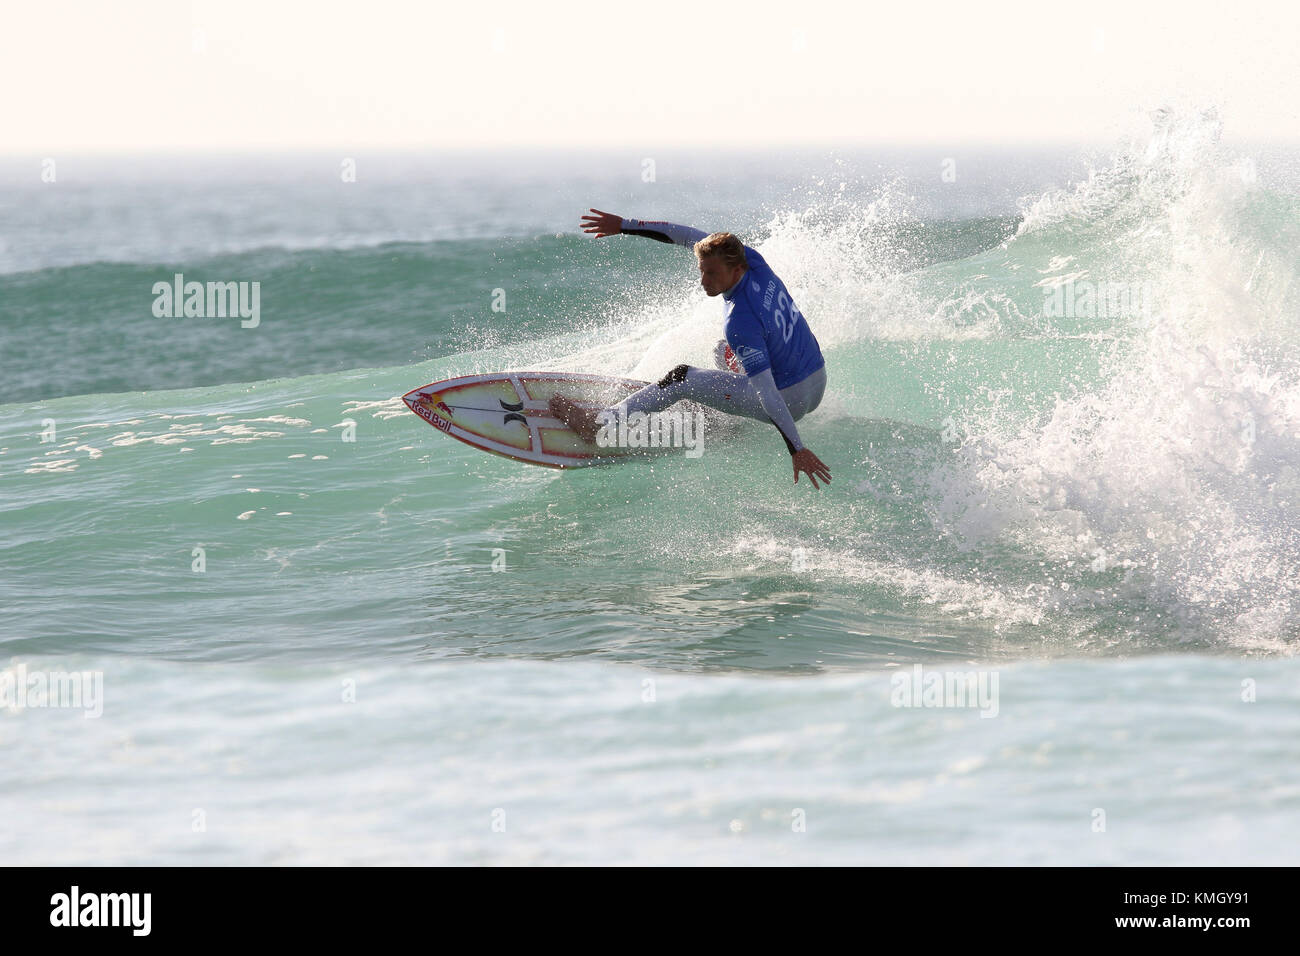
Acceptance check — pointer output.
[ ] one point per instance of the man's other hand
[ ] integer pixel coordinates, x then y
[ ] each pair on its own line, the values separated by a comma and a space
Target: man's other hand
812, 466
602, 224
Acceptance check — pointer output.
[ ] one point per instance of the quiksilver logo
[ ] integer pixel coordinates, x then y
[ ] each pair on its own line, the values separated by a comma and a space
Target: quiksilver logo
102, 909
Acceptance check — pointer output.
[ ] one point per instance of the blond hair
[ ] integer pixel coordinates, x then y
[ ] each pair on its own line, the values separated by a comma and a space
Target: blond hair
723, 244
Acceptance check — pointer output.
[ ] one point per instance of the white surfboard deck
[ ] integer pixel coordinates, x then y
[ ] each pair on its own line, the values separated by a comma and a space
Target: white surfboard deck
506, 413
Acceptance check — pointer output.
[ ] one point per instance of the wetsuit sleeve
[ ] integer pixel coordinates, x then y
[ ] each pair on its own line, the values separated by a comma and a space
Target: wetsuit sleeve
662, 231
774, 404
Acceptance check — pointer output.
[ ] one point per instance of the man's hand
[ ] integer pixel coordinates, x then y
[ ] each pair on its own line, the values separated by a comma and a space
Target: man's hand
812, 466
602, 224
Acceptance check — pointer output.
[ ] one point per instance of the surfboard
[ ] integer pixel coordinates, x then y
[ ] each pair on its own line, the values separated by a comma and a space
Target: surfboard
506, 413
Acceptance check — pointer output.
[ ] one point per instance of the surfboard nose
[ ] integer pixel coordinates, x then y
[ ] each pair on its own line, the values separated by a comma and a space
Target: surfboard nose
429, 400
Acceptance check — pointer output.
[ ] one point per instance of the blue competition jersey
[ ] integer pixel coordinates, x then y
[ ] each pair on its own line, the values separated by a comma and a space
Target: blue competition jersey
765, 330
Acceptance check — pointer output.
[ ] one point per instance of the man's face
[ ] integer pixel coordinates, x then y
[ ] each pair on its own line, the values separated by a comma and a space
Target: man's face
716, 276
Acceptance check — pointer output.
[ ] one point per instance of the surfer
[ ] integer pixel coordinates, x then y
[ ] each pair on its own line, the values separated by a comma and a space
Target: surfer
770, 367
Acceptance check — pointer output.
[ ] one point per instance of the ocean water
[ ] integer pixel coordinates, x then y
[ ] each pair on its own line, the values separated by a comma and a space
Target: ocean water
1063, 420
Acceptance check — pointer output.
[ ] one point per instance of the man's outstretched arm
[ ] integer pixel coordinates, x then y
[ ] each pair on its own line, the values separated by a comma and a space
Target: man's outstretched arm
773, 402
611, 224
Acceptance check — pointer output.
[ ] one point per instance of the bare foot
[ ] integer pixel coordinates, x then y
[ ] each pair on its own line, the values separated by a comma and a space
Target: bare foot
582, 421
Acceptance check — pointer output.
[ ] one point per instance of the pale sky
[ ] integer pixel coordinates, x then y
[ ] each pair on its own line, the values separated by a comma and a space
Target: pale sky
145, 75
